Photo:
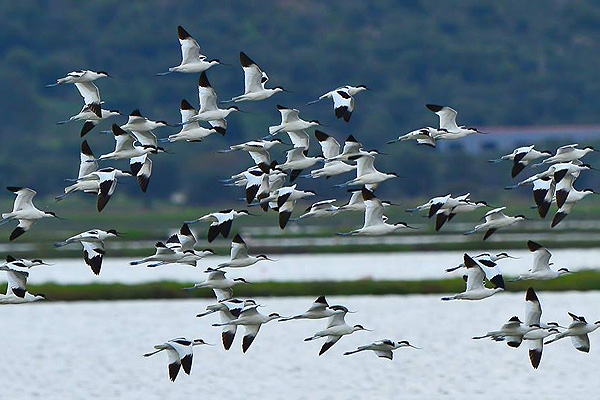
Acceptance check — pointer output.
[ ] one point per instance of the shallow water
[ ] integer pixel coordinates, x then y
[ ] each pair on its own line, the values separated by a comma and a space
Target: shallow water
313, 267
93, 350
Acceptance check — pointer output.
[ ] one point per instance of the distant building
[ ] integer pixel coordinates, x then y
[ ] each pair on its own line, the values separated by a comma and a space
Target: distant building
507, 138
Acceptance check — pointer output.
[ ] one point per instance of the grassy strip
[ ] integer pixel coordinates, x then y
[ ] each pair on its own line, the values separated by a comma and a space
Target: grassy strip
582, 281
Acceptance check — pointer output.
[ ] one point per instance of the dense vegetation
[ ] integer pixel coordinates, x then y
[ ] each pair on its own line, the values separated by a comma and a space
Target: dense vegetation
498, 63
584, 280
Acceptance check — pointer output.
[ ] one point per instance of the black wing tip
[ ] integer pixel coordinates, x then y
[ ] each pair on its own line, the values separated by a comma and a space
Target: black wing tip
238, 239
14, 189
321, 299
468, 261
203, 80
434, 107
185, 230
246, 342
18, 231
530, 295
280, 107
245, 60
117, 130
533, 246
227, 338
320, 135
284, 217
182, 33
185, 105
535, 356
367, 194
87, 127
135, 113
351, 138
19, 292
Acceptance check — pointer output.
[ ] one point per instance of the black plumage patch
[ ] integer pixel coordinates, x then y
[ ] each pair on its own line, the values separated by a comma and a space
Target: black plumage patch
321, 300
18, 231
185, 105
435, 207
251, 193
10, 258
295, 173
173, 371
559, 216
533, 246
19, 292
326, 346
559, 175
440, 220
203, 80
143, 182
13, 189
87, 126
513, 343
517, 167
186, 363
225, 228
227, 337
340, 111
535, 356
561, 197
246, 342
95, 262
96, 109
498, 281
213, 232
343, 94
220, 130
245, 60
530, 295
282, 199
103, 196
321, 136
182, 33
489, 233
434, 107
284, 217
347, 115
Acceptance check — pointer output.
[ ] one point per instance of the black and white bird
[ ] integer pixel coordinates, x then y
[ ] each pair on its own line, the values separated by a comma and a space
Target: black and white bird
375, 222
425, 136
251, 320
343, 100
221, 285
87, 165
24, 211
366, 174
172, 254
192, 60
239, 257
138, 123
127, 146
180, 352
569, 201
296, 161
106, 181
330, 149
532, 330
221, 222
228, 311
93, 246
521, 157
445, 214
92, 114
488, 257
541, 264
382, 348
192, 132
448, 125
290, 121
323, 208
356, 202
494, 220
567, 153
351, 149
319, 309
285, 200
336, 328
16, 289
475, 282
209, 110
254, 82
80, 76
578, 331
141, 168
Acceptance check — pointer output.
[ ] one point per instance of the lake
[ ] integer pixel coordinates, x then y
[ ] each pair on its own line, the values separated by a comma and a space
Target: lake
93, 350
307, 267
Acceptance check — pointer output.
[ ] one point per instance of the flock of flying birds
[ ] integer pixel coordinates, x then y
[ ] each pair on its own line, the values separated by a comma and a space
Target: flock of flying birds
270, 186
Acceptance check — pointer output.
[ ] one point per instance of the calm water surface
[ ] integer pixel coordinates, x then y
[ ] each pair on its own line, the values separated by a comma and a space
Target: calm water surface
93, 350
